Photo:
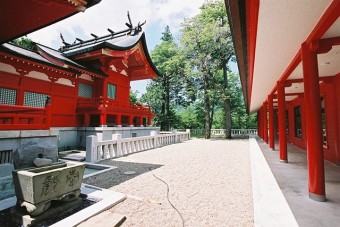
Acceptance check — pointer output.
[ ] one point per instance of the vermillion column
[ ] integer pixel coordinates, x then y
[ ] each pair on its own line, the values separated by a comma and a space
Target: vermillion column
265, 122
130, 121
103, 118
271, 122
119, 120
316, 175
258, 123
282, 122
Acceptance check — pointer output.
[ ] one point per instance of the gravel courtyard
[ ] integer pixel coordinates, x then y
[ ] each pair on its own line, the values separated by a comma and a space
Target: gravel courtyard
209, 184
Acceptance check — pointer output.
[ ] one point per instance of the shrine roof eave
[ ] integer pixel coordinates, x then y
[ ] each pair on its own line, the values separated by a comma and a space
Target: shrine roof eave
54, 54
122, 44
13, 22
148, 57
236, 15
119, 44
16, 51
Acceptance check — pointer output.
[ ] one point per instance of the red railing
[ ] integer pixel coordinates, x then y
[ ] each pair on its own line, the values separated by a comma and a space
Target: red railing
112, 105
24, 117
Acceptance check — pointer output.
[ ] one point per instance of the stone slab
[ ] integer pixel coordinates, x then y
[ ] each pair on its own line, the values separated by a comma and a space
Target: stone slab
7, 203
270, 206
21, 217
109, 199
104, 219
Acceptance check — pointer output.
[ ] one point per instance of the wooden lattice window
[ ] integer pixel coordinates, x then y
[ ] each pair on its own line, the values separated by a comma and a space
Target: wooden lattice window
297, 121
85, 90
35, 99
324, 122
8, 96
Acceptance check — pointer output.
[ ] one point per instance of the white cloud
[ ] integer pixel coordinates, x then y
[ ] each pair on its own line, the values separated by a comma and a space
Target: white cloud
112, 14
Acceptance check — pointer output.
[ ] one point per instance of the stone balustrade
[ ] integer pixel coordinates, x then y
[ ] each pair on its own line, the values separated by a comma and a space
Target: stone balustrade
221, 132
97, 149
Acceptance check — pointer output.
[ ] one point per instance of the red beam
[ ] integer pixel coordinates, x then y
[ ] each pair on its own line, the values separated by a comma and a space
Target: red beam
252, 9
325, 45
325, 22
294, 94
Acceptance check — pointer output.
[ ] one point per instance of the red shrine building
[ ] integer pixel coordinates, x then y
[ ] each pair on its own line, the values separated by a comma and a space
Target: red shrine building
288, 54
86, 83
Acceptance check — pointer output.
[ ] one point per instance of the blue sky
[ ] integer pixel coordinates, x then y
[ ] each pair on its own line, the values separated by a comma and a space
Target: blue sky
113, 14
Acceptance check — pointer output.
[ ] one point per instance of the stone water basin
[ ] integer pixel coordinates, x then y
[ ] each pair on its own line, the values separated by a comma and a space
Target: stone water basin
36, 187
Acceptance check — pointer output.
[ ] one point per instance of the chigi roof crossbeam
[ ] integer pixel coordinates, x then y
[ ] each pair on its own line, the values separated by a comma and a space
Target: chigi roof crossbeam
131, 30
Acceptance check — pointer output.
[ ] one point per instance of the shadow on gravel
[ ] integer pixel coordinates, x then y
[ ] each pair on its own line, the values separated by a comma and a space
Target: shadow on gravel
117, 176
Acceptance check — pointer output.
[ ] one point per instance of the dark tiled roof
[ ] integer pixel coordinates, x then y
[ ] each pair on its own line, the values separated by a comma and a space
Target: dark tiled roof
18, 51
125, 42
27, 54
57, 55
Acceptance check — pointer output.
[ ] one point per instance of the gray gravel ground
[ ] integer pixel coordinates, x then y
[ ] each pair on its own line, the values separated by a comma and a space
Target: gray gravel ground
209, 184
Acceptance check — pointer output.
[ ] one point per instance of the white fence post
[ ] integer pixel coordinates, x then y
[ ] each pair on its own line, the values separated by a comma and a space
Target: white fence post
154, 134
189, 132
118, 138
91, 148
176, 136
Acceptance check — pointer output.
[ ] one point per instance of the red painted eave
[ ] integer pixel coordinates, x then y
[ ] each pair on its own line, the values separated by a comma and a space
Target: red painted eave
243, 18
20, 17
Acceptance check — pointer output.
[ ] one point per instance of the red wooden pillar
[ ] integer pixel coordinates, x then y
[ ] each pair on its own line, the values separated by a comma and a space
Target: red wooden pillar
140, 121
271, 122
335, 119
282, 122
265, 122
259, 123
86, 119
48, 108
316, 175
103, 118
130, 120
119, 120
262, 121
20, 92
149, 121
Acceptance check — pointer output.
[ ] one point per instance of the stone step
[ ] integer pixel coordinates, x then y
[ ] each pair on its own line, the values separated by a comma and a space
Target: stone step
104, 219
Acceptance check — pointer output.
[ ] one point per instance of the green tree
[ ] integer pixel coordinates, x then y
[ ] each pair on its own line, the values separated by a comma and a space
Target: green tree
170, 62
206, 40
133, 96
23, 42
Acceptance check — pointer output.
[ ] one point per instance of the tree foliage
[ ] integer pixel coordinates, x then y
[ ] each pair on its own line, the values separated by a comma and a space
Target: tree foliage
206, 40
166, 91
23, 42
196, 88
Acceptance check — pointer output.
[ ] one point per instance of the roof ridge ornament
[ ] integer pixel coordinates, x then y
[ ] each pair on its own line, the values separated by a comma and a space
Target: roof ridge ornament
130, 31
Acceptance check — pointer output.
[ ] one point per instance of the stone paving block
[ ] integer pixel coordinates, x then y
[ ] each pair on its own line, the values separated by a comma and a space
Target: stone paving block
104, 219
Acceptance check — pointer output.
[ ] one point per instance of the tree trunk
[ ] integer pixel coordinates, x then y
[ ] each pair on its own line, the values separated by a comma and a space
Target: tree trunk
226, 102
212, 115
167, 102
206, 106
163, 113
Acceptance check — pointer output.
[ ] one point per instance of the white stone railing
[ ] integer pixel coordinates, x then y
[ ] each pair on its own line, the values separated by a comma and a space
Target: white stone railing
97, 150
221, 132
244, 131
